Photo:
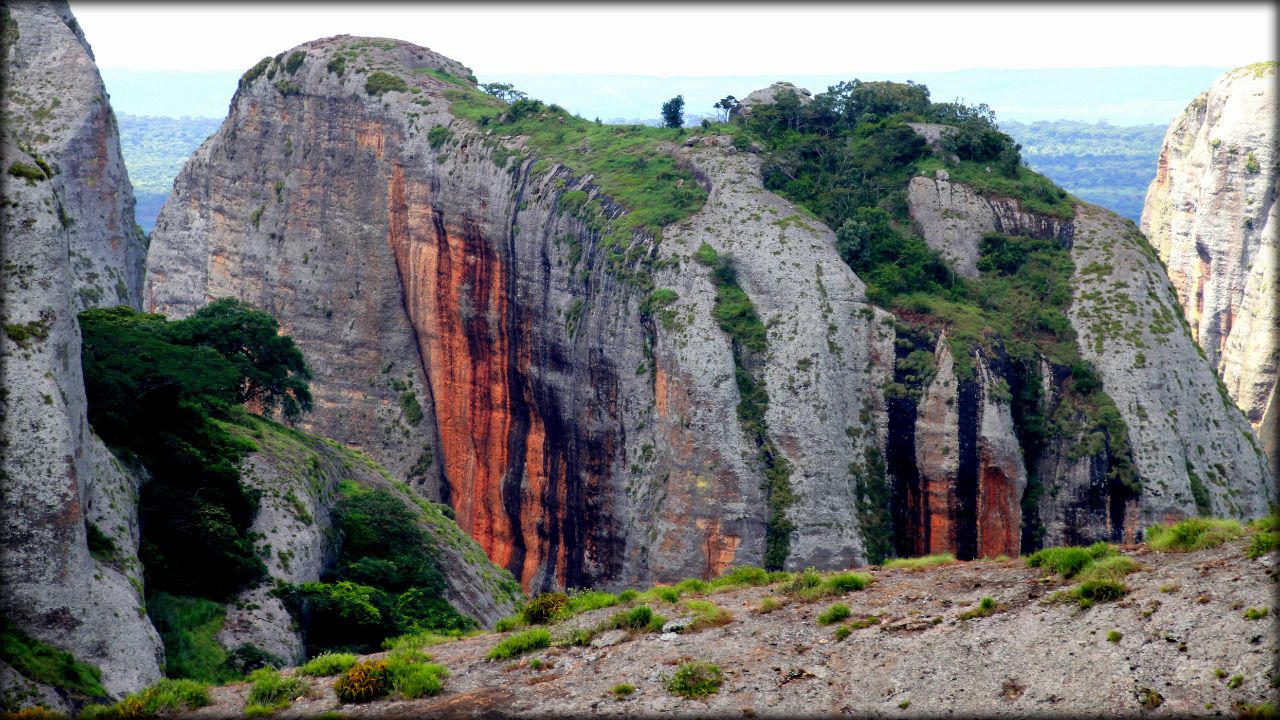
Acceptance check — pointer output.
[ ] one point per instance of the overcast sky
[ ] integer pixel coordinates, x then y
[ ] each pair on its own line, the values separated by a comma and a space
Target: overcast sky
696, 40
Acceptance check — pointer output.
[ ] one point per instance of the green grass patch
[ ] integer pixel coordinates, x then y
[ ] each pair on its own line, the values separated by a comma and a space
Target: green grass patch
521, 643
1255, 613
925, 562
189, 627
327, 664
622, 690
985, 607
1069, 561
1114, 636
1193, 534
379, 82
272, 690
47, 665
166, 696
834, 614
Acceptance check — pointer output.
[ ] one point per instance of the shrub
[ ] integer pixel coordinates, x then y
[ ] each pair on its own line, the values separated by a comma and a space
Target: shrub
986, 606
1114, 567
272, 689
843, 632
707, 614
696, 679
627, 595
1100, 590
768, 604
413, 679
834, 614
919, 563
438, 135
30, 173
742, 575
640, 617
544, 607
1067, 561
806, 580
1192, 534
380, 82
167, 695
524, 642
294, 61
327, 664
848, 582
1235, 681
362, 682
1255, 613
692, 586
622, 690
1114, 636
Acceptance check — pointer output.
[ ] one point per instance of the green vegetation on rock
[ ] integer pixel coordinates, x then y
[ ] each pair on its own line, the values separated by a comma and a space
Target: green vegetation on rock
47, 665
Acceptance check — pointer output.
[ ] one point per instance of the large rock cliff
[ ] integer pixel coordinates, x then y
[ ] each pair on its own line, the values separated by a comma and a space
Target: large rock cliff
610, 407
68, 244
1211, 215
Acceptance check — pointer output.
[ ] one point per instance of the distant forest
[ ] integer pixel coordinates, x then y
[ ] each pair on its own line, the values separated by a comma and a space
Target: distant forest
1100, 163
1103, 164
155, 149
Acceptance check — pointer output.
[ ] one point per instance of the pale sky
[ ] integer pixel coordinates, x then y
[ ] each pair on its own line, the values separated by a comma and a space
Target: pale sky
701, 39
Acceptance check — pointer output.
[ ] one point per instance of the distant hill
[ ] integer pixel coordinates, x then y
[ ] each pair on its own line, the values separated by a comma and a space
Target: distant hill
1104, 164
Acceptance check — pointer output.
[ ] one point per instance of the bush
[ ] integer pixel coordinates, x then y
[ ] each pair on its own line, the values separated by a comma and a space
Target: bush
985, 607
1100, 590
696, 679
1235, 681
640, 617
1114, 567
524, 642
622, 690
30, 173
362, 682
188, 626
1114, 636
768, 604
165, 696
1068, 561
848, 582
544, 607
327, 664
294, 61
438, 135
843, 632
272, 689
412, 679
834, 614
380, 82
1192, 534
919, 563
509, 623
627, 595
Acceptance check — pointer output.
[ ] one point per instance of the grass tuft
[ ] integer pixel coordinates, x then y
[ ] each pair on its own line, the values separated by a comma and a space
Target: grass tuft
524, 642
916, 564
1193, 534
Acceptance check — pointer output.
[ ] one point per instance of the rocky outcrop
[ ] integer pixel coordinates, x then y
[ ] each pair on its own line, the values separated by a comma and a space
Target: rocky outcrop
965, 492
579, 440
768, 96
55, 106
952, 218
1184, 429
1211, 215
65, 212
298, 476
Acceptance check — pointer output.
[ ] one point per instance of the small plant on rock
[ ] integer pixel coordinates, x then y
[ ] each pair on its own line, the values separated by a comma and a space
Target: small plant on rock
362, 682
1255, 613
1114, 636
327, 664
272, 691
843, 632
696, 679
1235, 681
544, 607
524, 642
622, 690
768, 604
986, 606
834, 614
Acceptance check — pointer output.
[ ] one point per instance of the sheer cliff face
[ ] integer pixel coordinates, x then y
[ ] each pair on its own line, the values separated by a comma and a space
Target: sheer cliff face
58, 478
1211, 215
56, 106
1183, 430
579, 441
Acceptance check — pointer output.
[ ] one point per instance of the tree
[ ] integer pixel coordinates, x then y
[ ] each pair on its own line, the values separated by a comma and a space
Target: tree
503, 91
673, 112
726, 106
272, 369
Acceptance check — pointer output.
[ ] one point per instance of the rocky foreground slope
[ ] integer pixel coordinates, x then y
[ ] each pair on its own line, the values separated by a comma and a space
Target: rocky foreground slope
504, 331
1182, 647
1211, 215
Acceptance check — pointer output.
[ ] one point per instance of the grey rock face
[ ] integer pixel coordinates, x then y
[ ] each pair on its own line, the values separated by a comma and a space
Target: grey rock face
1211, 215
1181, 422
298, 476
64, 236
952, 218
56, 106
57, 475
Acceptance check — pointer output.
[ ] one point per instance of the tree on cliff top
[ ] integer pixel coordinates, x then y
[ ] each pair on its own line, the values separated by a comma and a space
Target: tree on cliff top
673, 112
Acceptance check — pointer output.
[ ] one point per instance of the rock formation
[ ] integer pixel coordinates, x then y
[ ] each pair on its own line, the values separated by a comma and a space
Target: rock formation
1211, 215
298, 476
581, 407
68, 244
